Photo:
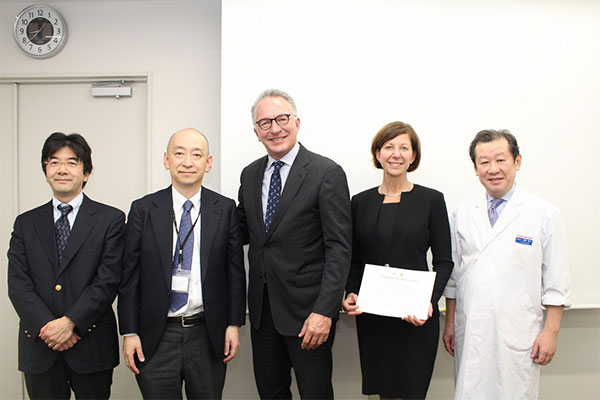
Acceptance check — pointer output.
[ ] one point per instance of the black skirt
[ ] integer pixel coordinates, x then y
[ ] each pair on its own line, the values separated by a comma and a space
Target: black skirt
396, 358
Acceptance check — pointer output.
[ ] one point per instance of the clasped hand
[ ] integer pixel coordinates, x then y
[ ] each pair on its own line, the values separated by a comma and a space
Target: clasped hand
58, 334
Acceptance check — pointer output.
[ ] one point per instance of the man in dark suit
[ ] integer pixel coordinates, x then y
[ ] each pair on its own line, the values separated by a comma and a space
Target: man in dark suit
183, 294
294, 210
64, 268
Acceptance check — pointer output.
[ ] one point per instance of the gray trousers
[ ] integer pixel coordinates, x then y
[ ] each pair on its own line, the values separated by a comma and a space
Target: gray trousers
183, 355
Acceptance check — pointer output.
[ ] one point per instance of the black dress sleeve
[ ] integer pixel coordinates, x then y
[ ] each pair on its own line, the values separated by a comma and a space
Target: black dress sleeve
357, 265
441, 248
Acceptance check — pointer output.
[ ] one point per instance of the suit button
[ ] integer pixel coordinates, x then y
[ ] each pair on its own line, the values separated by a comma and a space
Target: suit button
26, 331
260, 275
93, 326
89, 330
28, 335
58, 288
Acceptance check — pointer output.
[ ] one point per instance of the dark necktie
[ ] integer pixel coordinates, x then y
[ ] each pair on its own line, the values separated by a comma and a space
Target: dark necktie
62, 229
274, 194
179, 299
493, 212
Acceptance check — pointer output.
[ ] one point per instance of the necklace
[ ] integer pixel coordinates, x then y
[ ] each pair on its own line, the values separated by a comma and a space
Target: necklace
410, 186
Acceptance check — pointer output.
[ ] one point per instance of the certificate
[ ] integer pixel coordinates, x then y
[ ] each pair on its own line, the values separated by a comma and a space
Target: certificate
395, 292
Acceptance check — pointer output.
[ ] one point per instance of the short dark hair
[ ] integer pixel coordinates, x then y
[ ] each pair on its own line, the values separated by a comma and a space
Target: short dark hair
75, 142
489, 135
389, 132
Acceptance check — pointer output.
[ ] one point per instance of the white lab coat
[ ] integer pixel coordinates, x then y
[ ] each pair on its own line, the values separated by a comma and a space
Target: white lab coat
502, 276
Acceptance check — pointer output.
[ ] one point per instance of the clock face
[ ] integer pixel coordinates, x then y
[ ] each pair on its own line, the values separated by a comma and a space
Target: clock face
40, 31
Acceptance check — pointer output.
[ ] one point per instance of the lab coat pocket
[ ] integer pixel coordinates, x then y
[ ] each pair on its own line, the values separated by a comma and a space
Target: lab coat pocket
519, 322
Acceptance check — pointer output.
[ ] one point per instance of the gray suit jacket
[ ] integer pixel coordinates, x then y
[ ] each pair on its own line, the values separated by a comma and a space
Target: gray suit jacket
305, 257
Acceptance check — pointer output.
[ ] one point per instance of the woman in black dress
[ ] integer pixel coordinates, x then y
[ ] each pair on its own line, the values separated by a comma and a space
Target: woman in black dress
395, 224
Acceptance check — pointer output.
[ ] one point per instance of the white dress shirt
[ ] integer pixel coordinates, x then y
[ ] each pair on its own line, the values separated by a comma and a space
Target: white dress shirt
75, 203
287, 160
194, 304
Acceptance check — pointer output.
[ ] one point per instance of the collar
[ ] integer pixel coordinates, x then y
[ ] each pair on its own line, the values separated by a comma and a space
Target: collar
179, 199
75, 202
288, 159
506, 197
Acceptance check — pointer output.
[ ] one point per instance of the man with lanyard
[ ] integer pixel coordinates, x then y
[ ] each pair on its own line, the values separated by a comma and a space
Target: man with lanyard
182, 297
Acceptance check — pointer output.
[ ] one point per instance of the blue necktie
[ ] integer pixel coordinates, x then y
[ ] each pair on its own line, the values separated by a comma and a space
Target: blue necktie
62, 229
179, 299
493, 212
274, 194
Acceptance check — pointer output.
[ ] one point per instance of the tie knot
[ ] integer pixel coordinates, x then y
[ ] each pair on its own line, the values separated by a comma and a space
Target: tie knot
65, 208
187, 206
496, 202
277, 165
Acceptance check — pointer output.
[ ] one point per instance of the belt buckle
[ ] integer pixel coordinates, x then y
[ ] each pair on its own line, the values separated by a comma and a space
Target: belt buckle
184, 325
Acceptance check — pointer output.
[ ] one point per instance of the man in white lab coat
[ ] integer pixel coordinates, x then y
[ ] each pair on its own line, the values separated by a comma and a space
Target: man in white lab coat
510, 262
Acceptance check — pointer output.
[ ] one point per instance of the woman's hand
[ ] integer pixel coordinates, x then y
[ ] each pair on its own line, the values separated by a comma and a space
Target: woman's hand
349, 304
416, 321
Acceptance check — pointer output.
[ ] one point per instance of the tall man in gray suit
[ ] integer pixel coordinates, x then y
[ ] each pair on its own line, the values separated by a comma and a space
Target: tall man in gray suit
294, 210
183, 293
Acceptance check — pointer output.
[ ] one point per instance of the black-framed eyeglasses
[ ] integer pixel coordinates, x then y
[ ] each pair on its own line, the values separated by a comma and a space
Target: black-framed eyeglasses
281, 119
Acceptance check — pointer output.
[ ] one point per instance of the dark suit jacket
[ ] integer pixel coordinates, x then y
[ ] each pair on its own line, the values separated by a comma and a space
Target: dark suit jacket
88, 275
423, 224
144, 296
305, 256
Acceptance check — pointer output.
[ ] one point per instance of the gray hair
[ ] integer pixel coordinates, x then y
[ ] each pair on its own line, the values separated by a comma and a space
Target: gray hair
489, 135
272, 93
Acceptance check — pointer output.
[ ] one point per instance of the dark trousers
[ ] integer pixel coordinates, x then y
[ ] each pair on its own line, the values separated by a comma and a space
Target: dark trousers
183, 355
57, 382
274, 355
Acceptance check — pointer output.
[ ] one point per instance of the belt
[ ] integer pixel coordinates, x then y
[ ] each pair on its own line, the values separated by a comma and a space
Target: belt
187, 321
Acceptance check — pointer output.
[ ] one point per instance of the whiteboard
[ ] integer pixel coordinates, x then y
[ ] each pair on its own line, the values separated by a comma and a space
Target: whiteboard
450, 70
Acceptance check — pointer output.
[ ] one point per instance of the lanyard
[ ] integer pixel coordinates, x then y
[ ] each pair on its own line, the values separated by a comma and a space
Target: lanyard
180, 256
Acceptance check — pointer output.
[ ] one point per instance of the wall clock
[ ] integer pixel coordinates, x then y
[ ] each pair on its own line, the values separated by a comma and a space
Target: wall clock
40, 31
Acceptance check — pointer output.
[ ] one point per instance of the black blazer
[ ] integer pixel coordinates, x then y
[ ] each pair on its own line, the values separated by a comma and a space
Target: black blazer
83, 287
305, 256
425, 227
144, 296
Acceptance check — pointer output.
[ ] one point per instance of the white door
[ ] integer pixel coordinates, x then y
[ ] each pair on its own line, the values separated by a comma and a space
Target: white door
116, 130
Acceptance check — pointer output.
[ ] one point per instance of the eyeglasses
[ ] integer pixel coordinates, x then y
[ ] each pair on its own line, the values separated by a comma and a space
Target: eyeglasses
281, 119
55, 163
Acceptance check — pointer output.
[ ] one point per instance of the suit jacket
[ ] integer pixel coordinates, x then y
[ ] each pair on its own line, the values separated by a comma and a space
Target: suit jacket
144, 297
423, 224
305, 256
83, 287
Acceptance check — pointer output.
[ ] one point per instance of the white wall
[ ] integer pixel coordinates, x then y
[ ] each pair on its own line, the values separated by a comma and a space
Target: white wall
449, 69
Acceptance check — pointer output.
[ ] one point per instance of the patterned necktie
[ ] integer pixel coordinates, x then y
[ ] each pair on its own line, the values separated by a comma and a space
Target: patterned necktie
179, 299
274, 194
492, 211
62, 229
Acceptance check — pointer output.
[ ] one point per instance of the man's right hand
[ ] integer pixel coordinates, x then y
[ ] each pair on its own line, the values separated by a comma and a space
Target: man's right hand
448, 335
132, 345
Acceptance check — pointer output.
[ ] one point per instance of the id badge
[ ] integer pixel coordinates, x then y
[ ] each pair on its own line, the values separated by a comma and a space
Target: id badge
180, 281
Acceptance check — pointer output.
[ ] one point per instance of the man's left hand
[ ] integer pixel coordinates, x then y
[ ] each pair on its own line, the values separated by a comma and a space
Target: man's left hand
544, 347
232, 342
315, 331
57, 332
